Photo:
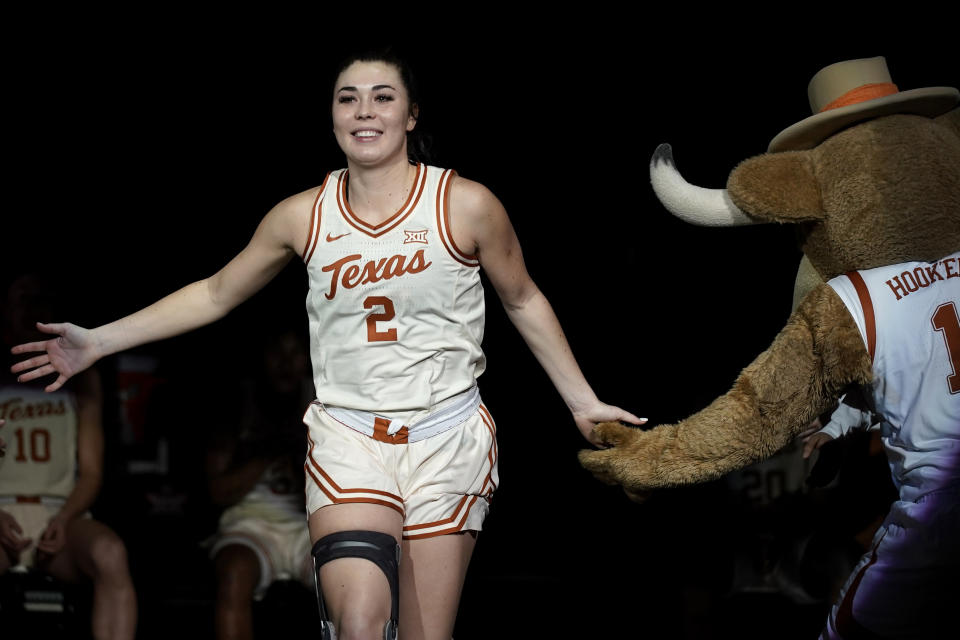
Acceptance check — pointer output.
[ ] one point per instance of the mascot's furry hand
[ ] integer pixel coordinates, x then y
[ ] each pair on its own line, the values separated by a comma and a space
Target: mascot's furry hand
613, 466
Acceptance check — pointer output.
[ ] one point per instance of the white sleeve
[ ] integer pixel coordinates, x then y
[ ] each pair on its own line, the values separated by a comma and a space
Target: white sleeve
845, 418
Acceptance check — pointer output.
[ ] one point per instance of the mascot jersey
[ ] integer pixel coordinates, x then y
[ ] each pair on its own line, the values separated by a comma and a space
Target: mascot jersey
396, 309
41, 436
908, 317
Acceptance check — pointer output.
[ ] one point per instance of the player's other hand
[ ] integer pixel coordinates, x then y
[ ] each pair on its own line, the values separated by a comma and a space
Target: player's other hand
10, 534
72, 350
54, 536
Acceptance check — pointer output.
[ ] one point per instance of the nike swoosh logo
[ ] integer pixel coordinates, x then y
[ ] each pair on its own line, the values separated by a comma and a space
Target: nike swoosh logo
331, 238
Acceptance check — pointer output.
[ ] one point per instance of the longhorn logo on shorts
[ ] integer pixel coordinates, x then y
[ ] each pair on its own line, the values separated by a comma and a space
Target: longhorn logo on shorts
419, 237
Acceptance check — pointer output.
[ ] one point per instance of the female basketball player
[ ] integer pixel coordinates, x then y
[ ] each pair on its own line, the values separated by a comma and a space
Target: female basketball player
399, 442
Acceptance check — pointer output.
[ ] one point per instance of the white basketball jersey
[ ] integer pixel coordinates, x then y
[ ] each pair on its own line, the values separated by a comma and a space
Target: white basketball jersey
396, 309
908, 317
41, 437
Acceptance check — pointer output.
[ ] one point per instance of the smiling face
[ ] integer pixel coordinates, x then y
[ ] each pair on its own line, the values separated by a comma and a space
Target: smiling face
372, 114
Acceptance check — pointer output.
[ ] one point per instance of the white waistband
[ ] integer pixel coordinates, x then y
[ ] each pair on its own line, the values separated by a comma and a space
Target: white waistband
445, 415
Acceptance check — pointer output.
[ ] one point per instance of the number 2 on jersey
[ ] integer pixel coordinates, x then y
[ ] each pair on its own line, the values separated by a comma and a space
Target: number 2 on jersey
946, 321
388, 314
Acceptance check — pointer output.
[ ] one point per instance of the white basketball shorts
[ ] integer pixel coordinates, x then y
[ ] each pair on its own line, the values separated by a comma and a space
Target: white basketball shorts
282, 547
440, 484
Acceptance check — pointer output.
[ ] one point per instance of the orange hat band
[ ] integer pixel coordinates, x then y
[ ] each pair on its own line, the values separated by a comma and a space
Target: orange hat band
862, 94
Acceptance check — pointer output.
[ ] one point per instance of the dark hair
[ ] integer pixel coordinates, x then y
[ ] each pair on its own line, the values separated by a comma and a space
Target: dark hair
418, 141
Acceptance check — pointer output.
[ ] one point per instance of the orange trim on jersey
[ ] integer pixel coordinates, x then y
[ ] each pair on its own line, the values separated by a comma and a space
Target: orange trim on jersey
419, 182
380, 426
443, 222
869, 319
313, 235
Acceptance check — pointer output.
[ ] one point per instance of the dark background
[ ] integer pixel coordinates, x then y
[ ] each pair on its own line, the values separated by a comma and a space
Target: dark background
142, 151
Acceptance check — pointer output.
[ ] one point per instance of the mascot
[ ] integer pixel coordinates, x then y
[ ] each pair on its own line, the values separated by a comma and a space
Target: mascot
872, 182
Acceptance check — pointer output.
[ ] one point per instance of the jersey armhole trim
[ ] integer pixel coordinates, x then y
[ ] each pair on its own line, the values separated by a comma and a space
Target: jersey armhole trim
443, 222
866, 303
313, 236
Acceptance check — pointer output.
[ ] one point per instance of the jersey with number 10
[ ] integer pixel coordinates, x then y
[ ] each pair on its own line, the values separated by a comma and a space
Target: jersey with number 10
908, 317
41, 437
396, 309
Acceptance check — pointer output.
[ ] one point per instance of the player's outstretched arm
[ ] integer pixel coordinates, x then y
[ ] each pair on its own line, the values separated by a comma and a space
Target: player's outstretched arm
72, 349
479, 218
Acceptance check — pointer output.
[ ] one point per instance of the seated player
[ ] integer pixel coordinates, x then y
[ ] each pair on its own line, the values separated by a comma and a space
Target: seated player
256, 469
51, 474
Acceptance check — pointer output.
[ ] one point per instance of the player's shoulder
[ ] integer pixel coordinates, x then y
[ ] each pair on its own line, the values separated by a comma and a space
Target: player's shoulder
472, 199
298, 203
289, 219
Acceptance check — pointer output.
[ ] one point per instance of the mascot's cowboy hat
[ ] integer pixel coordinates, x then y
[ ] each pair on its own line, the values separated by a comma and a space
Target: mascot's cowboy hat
848, 92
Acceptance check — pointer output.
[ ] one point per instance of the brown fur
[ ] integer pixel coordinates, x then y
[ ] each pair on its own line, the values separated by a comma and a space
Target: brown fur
882, 192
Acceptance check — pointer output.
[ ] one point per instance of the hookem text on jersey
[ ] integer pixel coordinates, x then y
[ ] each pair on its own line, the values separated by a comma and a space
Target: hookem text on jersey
16, 409
922, 277
349, 272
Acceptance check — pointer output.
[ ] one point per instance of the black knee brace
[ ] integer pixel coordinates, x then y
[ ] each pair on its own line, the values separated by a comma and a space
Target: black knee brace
379, 548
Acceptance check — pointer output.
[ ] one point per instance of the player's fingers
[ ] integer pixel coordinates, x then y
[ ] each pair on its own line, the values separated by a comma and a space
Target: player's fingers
56, 384
29, 347
626, 416
37, 373
58, 328
31, 363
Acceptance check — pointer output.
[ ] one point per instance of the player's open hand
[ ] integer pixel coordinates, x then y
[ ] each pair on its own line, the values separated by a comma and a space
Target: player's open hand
588, 418
70, 352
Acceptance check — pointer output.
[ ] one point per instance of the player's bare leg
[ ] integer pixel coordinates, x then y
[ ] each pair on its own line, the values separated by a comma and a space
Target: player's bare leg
356, 592
238, 573
92, 549
432, 571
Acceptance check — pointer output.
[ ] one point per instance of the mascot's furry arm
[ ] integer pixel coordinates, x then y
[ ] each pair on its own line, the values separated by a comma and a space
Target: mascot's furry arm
882, 192
810, 362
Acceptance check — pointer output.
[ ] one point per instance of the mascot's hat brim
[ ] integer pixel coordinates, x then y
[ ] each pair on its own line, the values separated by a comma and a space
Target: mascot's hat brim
848, 92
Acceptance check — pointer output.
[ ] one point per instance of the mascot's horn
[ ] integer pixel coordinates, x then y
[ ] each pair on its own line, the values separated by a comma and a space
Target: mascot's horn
696, 205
